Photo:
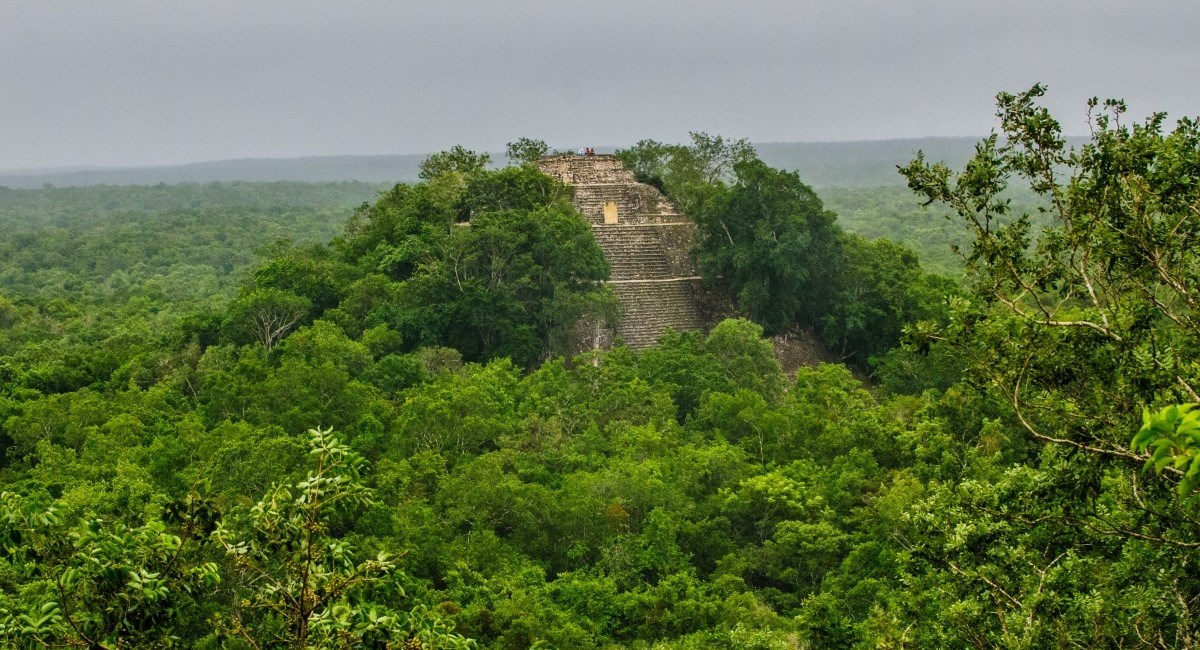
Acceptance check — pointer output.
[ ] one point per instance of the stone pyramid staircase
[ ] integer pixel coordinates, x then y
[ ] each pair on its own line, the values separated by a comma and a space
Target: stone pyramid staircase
647, 246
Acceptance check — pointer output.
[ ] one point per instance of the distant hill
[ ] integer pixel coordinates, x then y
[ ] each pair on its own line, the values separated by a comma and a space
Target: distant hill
841, 164
367, 169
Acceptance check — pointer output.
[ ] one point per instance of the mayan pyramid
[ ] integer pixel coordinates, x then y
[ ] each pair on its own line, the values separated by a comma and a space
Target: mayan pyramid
646, 241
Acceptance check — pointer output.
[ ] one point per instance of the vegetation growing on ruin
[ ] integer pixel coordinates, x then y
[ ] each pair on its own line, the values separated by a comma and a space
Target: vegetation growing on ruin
767, 241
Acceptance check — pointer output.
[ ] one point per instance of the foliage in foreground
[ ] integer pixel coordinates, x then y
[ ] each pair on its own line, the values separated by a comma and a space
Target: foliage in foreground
293, 584
1076, 330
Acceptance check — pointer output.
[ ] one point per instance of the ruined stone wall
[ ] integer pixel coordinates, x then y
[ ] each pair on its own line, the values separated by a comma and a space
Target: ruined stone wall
652, 272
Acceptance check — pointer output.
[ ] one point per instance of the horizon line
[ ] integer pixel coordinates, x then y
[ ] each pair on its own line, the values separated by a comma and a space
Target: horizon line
69, 168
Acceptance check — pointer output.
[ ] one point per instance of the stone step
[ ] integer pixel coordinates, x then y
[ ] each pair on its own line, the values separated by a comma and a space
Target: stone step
633, 253
647, 251
655, 306
635, 203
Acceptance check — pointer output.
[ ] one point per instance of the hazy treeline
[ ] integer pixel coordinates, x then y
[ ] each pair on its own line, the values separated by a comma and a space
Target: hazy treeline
822, 164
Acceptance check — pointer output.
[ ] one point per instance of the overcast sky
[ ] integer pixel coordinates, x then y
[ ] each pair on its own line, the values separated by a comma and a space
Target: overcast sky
141, 82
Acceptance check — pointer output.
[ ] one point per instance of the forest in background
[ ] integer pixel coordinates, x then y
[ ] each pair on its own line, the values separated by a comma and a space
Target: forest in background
368, 436
822, 164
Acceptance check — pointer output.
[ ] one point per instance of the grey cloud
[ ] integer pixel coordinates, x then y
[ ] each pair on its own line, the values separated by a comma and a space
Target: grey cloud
143, 82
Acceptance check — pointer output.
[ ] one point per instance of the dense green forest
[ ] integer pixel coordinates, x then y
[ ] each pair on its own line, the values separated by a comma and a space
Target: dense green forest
90, 278
326, 416
104, 236
933, 231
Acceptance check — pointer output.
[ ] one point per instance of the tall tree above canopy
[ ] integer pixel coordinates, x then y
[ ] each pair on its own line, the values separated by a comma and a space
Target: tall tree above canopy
525, 151
689, 174
763, 236
1102, 308
1074, 330
769, 242
457, 159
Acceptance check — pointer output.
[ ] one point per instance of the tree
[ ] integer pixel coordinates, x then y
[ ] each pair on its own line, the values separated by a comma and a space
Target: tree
1074, 329
718, 158
649, 160
455, 160
303, 587
266, 316
502, 286
105, 585
515, 282
1104, 301
525, 151
688, 173
311, 273
512, 188
879, 290
768, 242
